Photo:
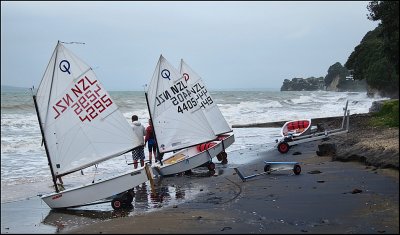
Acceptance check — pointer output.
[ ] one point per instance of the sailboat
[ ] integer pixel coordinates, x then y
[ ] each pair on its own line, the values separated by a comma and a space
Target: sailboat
180, 124
81, 126
213, 114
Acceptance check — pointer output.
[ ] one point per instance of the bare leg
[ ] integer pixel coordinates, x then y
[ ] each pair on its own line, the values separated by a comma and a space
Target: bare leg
135, 164
150, 156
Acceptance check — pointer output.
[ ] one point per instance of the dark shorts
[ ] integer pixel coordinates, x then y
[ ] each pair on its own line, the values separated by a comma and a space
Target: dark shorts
138, 153
151, 145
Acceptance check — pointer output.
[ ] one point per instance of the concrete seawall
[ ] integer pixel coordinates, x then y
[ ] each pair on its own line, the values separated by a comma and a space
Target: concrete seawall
330, 121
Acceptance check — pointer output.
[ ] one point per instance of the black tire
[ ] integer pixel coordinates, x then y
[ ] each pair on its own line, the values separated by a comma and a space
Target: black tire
283, 147
267, 168
211, 166
211, 172
224, 158
219, 157
297, 169
128, 198
117, 203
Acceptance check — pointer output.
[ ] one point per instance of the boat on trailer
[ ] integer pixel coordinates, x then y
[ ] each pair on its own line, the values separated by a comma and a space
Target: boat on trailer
188, 125
296, 128
81, 126
293, 132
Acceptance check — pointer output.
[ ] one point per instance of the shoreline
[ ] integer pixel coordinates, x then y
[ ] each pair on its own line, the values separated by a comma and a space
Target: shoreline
280, 202
349, 195
327, 197
330, 121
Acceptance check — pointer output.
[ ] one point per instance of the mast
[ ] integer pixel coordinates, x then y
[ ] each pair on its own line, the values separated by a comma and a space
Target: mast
45, 144
40, 122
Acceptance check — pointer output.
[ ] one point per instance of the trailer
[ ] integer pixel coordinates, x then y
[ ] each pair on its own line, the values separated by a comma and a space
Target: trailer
291, 138
270, 167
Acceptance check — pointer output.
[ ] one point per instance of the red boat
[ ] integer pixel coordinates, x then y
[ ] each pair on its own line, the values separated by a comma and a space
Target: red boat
296, 128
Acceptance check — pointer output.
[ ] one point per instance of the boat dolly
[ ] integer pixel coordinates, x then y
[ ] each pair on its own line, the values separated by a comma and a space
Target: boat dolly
270, 167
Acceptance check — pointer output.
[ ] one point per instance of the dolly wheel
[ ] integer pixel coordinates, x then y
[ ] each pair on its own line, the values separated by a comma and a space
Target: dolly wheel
116, 203
128, 197
283, 147
219, 156
267, 168
211, 166
296, 169
224, 158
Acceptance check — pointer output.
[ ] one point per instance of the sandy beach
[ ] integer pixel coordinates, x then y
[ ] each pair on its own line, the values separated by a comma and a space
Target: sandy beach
348, 195
327, 197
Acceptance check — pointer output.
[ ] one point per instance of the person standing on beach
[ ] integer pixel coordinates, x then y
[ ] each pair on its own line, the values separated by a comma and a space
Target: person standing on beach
138, 152
151, 142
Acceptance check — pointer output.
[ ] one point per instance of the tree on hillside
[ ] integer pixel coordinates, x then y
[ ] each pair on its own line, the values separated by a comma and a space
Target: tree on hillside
375, 59
388, 13
335, 70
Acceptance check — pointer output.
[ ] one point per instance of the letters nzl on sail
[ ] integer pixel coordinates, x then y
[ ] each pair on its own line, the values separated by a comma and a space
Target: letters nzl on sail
184, 98
86, 98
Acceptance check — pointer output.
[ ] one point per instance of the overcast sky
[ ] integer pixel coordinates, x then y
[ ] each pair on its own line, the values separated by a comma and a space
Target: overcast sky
232, 45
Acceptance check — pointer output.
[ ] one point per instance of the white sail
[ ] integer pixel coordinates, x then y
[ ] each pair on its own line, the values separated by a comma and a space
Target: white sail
210, 108
82, 125
174, 107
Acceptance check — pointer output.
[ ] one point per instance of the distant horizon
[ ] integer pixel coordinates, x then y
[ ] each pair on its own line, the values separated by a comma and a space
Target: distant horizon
10, 87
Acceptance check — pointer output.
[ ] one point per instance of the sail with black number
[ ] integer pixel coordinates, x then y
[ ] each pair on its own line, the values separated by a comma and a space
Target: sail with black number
182, 112
203, 96
177, 117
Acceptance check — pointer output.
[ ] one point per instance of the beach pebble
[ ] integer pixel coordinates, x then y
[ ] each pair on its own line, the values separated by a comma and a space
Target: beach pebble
356, 190
314, 172
325, 221
226, 228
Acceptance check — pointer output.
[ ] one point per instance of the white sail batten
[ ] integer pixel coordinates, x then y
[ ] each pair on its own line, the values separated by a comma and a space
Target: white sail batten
177, 117
82, 125
209, 106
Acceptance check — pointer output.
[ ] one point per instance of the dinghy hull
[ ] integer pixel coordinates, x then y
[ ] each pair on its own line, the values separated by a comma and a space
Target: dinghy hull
86, 194
296, 127
190, 158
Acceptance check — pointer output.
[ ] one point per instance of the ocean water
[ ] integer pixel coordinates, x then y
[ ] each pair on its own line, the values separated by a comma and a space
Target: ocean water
25, 172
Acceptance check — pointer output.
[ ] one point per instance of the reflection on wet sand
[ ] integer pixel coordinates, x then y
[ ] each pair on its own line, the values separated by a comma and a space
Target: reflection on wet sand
73, 218
166, 192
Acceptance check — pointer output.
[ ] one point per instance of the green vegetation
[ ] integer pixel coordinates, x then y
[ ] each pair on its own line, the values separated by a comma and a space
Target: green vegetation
376, 59
335, 70
388, 116
345, 83
300, 84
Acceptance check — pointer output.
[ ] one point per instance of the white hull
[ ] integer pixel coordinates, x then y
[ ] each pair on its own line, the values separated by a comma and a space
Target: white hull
96, 191
228, 141
192, 157
296, 131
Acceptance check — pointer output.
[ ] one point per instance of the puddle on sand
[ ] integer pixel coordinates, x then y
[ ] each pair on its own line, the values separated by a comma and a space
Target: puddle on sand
167, 192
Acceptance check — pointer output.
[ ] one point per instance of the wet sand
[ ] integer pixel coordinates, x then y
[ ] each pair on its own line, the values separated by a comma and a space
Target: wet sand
327, 197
